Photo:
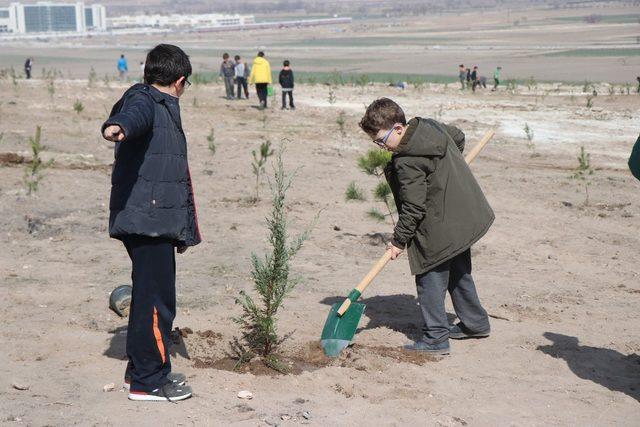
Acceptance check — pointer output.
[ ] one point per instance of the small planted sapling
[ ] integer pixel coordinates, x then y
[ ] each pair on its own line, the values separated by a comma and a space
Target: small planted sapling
583, 171
354, 192
92, 78
272, 283
373, 163
590, 102
78, 107
382, 193
529, 134
34, 171
211, 139
259, 161
341, 121
332, 96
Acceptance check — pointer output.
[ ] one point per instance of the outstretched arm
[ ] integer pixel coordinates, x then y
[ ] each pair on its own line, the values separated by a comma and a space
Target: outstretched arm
134, 119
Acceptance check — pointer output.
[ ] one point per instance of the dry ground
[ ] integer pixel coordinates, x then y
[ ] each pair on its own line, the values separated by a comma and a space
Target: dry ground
559, 277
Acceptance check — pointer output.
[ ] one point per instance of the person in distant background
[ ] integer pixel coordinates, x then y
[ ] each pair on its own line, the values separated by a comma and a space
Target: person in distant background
474, 78
468, 77
28, 65
482, 81
242, 74
638, 79
227, 73
462, 73
286, 82
496, 78
123, 67
261, 77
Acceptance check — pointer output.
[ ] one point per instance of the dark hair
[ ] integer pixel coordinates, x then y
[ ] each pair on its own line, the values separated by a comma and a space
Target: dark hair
236, 57
461, 65
165, 64
225, 55
122, 55
261, 54
475, 66
286, 63
383, 113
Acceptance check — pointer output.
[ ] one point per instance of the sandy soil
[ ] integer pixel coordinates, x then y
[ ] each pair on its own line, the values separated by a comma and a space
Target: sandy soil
558, 276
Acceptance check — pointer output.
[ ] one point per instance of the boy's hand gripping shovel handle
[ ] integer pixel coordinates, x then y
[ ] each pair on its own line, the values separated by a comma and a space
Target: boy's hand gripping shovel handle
358, 290
377, 268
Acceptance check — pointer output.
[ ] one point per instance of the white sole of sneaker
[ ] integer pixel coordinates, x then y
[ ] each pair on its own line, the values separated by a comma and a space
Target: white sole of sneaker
154, 398
127, 386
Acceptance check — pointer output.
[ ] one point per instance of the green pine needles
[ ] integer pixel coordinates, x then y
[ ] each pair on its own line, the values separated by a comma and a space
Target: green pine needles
33, 174
272, 282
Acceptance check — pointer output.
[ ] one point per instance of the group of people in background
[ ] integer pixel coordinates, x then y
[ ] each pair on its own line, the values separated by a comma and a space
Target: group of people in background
238, 74
472, 78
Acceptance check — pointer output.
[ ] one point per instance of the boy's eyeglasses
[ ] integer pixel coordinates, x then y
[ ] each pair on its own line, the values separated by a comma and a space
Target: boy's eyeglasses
382, 142
186, 83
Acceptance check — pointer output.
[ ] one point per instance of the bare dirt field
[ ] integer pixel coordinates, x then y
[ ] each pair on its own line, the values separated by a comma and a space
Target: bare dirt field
557, 272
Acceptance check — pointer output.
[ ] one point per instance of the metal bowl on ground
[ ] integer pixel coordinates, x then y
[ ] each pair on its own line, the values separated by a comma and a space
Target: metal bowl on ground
120, 300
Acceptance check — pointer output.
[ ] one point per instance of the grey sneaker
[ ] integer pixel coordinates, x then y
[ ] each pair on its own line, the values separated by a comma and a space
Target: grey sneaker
173, 377
461, 332
170, 392
441, 348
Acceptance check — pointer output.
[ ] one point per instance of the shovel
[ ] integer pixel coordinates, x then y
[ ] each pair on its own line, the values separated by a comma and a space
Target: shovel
343, 320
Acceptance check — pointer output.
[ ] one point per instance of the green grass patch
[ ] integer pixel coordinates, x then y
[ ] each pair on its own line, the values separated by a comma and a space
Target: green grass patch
596, 52
363, 41
606, 19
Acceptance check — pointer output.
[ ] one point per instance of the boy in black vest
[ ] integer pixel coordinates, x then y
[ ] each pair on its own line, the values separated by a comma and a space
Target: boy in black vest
152, 211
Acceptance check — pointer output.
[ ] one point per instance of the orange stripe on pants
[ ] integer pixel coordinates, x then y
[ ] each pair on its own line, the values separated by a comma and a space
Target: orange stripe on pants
158, 335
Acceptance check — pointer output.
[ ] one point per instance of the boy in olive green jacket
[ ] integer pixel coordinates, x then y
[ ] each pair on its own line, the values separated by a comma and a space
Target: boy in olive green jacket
442, 212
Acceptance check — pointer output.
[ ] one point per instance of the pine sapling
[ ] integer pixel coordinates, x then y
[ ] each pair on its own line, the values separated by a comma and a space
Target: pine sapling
354, 192
590, 101
78, 107
382, 193
211, 139
264, 118
34, 171
93, 77
341, 121
373, 163
529, 134
51, 88
332, 96
376, 214
259, 162
583, 171
272, 283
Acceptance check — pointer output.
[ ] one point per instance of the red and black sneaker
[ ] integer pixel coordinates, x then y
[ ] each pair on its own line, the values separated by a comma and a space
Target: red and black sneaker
173, 377
170, 392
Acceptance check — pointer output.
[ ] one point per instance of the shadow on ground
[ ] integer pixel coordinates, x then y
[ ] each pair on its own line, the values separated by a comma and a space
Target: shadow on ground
398, 312
609, 368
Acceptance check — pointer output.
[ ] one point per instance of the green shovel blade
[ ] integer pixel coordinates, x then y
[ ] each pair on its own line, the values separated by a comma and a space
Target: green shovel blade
338, 330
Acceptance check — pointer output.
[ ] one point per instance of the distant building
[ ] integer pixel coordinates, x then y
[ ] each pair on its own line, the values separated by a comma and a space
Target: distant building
209, 20
46, 17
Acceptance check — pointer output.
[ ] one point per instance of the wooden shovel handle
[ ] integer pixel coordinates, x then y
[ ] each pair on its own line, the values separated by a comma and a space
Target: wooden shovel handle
375, 270
479, 146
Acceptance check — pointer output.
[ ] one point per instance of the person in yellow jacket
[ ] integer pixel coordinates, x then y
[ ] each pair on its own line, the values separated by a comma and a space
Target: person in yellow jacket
261, 77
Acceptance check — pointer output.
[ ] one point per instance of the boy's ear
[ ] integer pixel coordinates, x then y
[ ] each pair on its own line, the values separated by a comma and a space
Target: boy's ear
180, 81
